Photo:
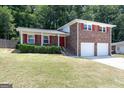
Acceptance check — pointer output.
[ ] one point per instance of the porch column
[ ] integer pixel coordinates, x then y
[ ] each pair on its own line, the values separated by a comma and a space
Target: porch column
58, 40
21, 37
41, 39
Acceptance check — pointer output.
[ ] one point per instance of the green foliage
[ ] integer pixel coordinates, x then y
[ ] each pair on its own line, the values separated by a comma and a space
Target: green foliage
6, 23
25, 48
118, 34
24, 15
53, 17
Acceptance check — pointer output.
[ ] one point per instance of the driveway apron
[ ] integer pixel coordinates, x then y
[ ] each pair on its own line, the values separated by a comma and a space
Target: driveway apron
116, 62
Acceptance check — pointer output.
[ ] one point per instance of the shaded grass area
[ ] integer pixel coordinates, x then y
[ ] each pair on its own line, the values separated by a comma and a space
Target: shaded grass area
44, 70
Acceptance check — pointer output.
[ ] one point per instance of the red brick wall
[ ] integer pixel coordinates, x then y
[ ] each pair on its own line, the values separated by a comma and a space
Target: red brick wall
71, 40
87, 36
94, 36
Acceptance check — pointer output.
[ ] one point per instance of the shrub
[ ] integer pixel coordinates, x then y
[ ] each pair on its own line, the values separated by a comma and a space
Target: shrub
25, 48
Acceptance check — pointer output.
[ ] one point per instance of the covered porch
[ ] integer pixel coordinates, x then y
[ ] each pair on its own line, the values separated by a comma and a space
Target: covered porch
42, 36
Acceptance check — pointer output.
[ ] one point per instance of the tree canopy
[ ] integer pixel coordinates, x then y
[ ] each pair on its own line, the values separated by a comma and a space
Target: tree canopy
52, 17
6, 22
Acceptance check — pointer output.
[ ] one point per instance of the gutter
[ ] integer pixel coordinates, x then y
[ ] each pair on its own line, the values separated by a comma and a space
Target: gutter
77, 39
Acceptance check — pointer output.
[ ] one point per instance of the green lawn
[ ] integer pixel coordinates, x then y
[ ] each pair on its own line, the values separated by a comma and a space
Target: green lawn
118, 55
43, 70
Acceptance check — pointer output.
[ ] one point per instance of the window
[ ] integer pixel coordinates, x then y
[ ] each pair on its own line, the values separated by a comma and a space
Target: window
102, 29
45, 39
31, 39
87, 27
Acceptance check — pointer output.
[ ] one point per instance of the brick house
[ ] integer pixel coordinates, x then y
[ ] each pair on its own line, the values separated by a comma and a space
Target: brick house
82, 37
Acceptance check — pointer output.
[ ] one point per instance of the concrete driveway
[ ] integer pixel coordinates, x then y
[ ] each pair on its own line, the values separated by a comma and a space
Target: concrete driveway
116, 62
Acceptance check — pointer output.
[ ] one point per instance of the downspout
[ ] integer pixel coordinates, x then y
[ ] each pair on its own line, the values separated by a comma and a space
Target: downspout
77, 39
110, 40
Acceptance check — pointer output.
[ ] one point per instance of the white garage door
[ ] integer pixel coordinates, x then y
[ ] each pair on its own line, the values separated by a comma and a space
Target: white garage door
87, 49
102, 49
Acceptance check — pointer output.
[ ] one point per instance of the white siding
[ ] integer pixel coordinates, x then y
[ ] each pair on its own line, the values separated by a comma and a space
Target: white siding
66, 29
120, 49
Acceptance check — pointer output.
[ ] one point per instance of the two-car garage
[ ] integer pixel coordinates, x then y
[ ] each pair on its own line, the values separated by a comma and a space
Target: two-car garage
92, 49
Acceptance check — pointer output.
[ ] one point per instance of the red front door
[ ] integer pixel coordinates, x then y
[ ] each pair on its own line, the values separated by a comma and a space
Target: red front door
62, 41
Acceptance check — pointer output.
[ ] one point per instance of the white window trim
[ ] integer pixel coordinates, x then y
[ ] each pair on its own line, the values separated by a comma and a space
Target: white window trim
102, 29
87, 27
48, 39
28, 38
105, 29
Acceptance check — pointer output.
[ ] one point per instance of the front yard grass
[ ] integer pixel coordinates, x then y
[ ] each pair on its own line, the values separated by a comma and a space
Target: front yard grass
45, 70
118, 55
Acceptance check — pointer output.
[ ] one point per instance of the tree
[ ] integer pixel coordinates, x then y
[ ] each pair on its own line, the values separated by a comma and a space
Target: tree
118, 34
6, 23
52, 17
24, 15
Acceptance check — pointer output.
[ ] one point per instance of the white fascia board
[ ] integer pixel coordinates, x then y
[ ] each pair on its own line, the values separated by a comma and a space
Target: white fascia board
92, 22
87, 22
40, 30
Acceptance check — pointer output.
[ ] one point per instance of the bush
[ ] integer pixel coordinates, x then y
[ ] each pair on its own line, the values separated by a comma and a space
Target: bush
25, 48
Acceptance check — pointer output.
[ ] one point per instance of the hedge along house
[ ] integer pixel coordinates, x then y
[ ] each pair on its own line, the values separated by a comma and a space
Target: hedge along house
82, 37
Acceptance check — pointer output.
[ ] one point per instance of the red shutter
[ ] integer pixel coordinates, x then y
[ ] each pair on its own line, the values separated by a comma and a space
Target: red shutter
93, 27
25, 38
38, 39
108, 29
82, 26
98, 28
